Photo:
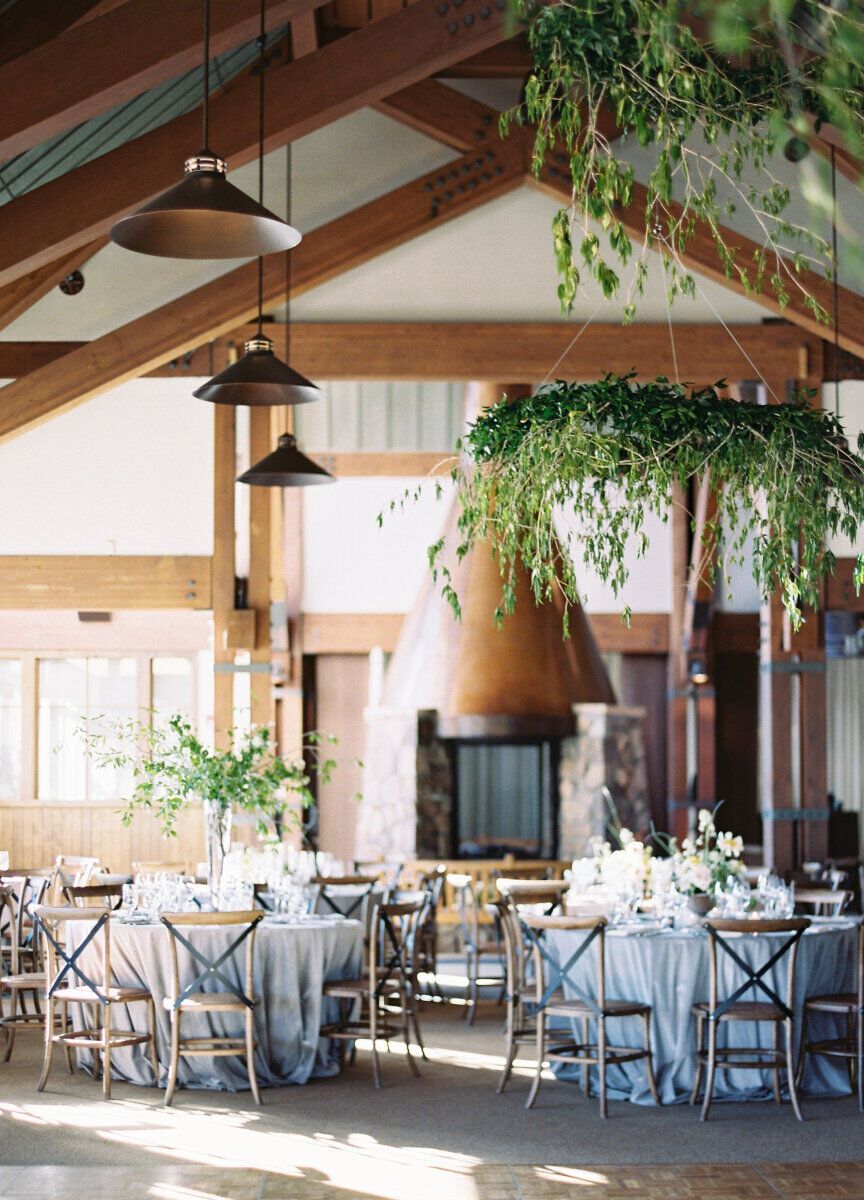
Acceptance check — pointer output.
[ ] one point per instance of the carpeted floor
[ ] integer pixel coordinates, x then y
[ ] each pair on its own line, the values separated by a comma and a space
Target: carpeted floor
446, 1134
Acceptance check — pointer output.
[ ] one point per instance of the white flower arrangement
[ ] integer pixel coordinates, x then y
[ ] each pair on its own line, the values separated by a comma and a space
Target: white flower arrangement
626, 869
708, 859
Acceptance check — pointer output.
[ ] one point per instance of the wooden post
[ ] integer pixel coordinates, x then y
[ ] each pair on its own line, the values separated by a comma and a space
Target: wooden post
792, 718
224, 470
676, 736
260, 561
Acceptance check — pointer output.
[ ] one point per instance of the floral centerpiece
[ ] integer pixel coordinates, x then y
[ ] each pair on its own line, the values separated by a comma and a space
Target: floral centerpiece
707, 861
625, 870
171, 767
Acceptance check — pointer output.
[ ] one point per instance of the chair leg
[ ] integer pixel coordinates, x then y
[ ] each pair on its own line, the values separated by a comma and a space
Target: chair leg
250, 1054
700, 1066
406, 1033
415, 1022
860, 1060
802, 1049
540, 1051
712, 1068
49, 1045
778, 1095
585, 1070
601, 1064
649, 1062
106, 1052
509, 1045
471, 965
790, 1068
175, 1056
373, 1030
154, 1048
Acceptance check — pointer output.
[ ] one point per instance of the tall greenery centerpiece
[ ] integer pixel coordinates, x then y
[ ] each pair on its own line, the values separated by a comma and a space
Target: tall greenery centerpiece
608, 453
707, 93
171, 767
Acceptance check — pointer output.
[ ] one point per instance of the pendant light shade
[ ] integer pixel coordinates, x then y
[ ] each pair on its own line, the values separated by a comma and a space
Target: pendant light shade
258, 378
286, 467
204, 216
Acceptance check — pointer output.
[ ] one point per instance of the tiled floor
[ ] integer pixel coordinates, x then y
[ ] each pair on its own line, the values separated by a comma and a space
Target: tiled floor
766, 1181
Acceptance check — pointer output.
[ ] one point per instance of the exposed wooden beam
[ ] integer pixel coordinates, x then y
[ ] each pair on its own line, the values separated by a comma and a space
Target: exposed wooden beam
701, 257
112, 59
396, 463
508, 60
104, 582
19, 295
224, 624
358, 633
211, 310
458, 351
840, 591
442, 113
313, 91
304, 35
23, 27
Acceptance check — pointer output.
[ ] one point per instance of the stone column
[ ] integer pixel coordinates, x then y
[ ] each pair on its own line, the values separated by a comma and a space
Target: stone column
387, 814
608, 748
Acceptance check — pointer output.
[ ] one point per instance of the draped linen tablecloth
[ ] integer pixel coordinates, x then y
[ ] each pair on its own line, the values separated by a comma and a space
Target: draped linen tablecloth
292, 963
668, 969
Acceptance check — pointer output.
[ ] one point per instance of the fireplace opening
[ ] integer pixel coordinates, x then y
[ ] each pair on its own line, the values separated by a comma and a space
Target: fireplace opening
505, 799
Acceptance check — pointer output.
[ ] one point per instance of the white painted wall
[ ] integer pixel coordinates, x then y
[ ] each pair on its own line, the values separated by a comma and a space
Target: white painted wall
352, 565
129, 473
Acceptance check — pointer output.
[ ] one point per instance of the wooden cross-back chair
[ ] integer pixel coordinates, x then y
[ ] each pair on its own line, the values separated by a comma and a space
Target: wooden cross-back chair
381, 1002
30, 887
849, 1008
22, 987
329, 899
772, 1008
823, 902
231, 998
95, 895
476, 944
558, 994
70, 983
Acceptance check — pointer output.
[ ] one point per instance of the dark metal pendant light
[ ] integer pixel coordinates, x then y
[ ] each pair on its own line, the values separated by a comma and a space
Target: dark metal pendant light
259, 377
204, 216
286, 467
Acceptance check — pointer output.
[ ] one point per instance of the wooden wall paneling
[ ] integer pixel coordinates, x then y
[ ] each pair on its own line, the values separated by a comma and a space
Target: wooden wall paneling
840, 591
736, 676
676, 725
104, 582
643, 683
29, 724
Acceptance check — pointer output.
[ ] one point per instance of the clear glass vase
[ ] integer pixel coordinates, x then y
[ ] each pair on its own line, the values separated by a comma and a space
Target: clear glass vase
217, 835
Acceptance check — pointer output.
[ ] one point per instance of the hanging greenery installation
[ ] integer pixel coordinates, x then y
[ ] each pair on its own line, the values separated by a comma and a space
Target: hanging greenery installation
578, 467
708, 92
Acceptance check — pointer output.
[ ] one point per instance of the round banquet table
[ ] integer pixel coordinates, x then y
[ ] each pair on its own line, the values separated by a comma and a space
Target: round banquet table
668, 969
293, 959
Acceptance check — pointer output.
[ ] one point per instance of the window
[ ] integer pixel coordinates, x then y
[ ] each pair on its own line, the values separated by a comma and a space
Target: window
10, 728
173, 688
72, 690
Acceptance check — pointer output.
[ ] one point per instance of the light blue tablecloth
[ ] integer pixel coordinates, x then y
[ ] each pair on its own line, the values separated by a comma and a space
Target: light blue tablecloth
669, 971
292, 962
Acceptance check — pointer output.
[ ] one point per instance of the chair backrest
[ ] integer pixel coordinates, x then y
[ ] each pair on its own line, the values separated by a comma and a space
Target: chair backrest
9, 926
754, 978
823, 901
548, 972
30, 886
392, 944
95, 895
179, 926
465, 902
548, 893
64, 964
163, 868
328, 898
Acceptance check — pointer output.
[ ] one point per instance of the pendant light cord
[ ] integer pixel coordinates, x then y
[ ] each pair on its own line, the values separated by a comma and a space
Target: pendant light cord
836, 281
262, 70
206, 74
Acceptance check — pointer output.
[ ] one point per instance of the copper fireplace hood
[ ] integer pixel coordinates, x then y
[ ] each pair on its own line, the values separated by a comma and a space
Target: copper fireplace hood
514, 683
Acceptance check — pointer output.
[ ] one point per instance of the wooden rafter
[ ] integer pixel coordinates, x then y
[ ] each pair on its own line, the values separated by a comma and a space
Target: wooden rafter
217, 307
460, 351
23, 27
19, 295
112, 59
304, 95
